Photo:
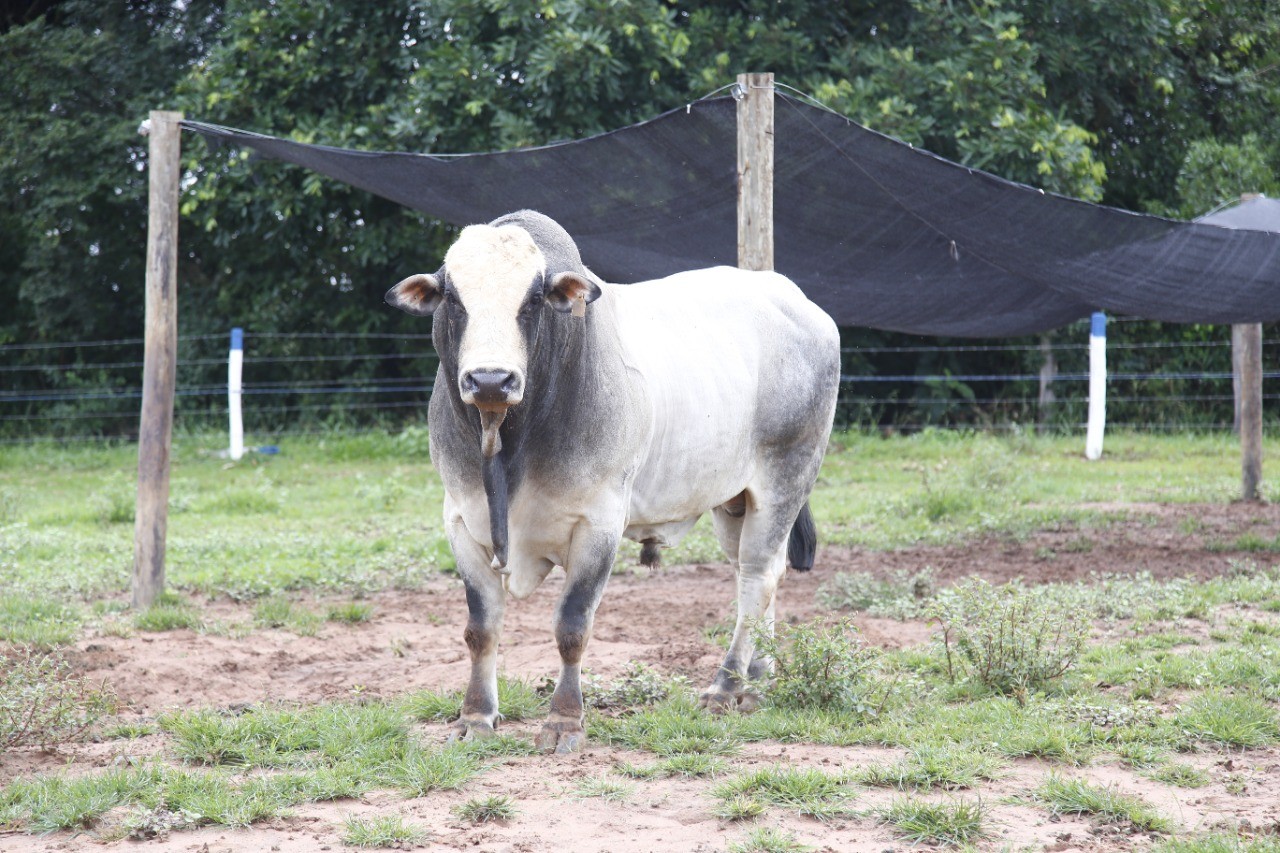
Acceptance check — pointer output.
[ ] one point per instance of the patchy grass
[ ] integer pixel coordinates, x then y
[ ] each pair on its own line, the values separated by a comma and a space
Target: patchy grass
383, 831
948, 767
603, 788
1173, 666
767, 839
1076, 796
1230, 720
951, 823
169, 613
806, 791
492, 809
279, 612
350, 612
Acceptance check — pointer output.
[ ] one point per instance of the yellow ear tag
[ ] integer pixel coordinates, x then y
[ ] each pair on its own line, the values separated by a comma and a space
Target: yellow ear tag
579, 306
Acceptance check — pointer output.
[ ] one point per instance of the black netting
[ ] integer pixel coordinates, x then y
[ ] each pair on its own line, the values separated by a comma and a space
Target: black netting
876, 232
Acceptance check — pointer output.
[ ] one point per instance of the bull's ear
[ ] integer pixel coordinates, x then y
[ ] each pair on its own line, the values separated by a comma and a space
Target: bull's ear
417, 294
567, 288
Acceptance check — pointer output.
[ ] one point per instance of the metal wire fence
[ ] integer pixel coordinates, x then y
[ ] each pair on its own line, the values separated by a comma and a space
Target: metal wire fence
1160, 378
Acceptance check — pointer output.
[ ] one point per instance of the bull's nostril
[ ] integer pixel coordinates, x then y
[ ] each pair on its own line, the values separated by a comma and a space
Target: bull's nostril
469, 383
510, 384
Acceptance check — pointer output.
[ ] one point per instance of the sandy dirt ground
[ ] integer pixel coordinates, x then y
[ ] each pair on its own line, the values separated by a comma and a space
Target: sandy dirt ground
660, 618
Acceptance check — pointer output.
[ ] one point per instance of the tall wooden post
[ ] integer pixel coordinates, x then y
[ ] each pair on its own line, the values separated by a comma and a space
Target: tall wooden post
1250, 337
755, 172
155, 430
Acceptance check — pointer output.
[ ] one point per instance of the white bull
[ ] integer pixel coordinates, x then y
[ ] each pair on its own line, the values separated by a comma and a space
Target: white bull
568, 413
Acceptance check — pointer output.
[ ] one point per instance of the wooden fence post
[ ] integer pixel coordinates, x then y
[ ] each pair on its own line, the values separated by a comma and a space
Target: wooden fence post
155, 430
1250, 337
755, 172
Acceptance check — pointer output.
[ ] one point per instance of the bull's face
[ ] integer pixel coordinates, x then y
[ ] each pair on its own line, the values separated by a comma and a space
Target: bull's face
493, 288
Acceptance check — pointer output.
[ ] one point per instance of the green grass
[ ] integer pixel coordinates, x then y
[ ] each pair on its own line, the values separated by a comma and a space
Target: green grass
603, 788
948, 823
768, 839
336, 518
806, 791
279, 612
350, 613
1220, 842
169, 613
492, 809
383, 831
1230, 720
1180, 775
1075, 796
948, 767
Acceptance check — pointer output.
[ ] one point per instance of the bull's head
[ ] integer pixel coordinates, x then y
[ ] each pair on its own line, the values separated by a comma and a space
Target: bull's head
494, 287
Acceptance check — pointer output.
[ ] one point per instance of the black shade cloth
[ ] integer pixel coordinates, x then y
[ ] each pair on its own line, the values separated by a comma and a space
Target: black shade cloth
878, 233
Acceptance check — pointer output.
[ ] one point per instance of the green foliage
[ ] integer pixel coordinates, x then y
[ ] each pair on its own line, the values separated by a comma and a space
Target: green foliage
1220, 842
381, 831
948, 767
1008, 638
827, 667
1075, 796
806, 791
37, 621
1230, 719
639, 684
350, 612
1147, 104
169, 613
492, 809
768, 839
43, 703
952, 823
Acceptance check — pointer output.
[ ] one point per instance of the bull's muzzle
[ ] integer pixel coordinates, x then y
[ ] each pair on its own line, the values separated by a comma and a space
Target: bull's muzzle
486, 388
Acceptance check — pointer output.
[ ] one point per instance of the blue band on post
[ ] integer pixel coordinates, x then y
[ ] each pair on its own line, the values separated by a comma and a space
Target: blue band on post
1098, 326
237, 338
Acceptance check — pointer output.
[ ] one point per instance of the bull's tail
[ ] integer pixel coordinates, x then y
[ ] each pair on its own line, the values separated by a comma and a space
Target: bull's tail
803, 543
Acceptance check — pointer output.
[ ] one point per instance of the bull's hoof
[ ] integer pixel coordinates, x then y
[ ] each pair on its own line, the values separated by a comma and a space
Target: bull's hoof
471, 729
722, 702
562, 738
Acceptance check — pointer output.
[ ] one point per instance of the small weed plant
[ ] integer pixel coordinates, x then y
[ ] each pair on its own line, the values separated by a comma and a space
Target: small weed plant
951, 823
493, 809
826, 667
42, 703
1008, 638
385, 831
1075, 796
638, 685
768, 839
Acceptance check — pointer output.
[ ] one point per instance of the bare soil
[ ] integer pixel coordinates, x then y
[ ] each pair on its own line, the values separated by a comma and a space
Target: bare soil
660, 617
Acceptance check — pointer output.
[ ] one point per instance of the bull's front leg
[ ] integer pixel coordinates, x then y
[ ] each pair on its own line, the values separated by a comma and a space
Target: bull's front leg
486, 602
591, 559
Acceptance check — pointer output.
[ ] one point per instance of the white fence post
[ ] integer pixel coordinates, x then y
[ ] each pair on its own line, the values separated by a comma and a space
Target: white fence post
1097, 386
235, 367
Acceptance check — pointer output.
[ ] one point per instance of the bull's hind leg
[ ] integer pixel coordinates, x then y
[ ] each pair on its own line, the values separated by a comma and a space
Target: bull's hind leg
486, 601
727, 521
590, 561
761, 563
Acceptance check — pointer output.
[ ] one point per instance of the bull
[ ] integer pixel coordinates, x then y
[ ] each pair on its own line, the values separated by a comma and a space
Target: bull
569, 413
